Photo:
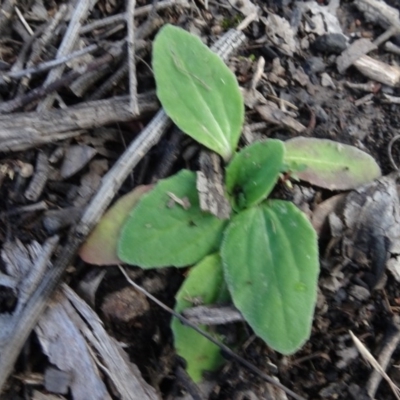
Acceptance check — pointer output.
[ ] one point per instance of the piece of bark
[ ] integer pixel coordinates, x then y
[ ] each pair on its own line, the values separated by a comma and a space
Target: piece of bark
66, 348
76, 157
42, 396
271, 113
358, 49
379, 71
125, 376
56, 381
379, 12
206, 315
90, 182
38, 182
210, 186
389, 46
26, 266
319, 217
371, 220
55, 220
87, 286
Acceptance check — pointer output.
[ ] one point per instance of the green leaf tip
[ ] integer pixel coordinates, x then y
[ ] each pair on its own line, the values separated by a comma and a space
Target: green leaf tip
253, 173
168, 228
197, 90
205, 283
271, 266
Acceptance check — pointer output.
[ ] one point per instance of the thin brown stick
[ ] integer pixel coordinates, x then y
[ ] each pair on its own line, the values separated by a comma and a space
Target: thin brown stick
35, 94
66, 46
139, 12
39, 46
131, 56
50, 64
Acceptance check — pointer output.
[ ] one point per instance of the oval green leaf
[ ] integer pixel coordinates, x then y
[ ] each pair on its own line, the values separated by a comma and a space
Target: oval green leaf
253, 173
197, 90
101, 246
168, 228
270, 259
329, 164
204, 283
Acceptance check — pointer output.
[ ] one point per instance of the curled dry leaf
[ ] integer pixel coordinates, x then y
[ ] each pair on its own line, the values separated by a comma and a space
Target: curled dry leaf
321, 212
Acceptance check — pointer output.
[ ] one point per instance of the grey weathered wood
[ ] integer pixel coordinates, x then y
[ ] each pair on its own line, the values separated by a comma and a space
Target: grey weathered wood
210, 186
125, 376
21, 131
81, 11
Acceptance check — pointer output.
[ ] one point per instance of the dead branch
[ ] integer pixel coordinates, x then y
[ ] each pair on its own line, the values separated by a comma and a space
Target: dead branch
22, 131
37, 93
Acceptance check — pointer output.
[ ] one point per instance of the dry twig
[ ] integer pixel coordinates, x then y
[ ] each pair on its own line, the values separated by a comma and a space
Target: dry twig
368, 357
131, 56
22, 131
384, 359
67, 45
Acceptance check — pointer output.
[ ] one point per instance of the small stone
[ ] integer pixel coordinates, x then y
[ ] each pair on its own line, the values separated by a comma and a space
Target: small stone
56, 220
393, 266
359, 292
268, 53
330, 43
336, 225
321, 115
333, 389
314, 65
26, 170
347, 355
125, 306
76, 158
304, 43
326, 81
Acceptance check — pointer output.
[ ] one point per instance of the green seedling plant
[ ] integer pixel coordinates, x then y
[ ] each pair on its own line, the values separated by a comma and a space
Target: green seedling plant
267, 251
265, 256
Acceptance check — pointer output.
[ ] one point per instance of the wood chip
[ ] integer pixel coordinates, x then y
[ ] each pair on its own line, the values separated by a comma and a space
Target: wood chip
210, 186
271, 113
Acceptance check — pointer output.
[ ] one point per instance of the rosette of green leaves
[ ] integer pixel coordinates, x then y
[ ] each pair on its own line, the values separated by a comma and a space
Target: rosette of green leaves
268, 253
268, 249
